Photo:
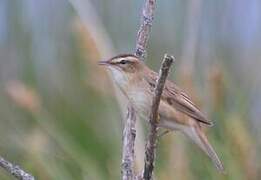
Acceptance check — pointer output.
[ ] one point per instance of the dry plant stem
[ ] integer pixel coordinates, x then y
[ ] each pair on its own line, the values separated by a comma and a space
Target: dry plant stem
129, 130
15, 170
145, 26
129, 134
150, 150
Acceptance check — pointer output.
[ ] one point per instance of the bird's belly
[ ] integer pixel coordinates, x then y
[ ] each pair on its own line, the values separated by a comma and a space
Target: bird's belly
141, 102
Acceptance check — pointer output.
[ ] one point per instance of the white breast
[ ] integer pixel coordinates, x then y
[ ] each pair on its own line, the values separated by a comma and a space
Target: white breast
136, 93
141, 101
119, 77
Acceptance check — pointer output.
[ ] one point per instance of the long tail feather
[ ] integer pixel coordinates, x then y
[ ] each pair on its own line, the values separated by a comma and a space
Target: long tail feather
199, 138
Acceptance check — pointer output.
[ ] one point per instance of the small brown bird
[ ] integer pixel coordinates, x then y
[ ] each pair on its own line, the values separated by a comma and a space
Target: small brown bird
176, 110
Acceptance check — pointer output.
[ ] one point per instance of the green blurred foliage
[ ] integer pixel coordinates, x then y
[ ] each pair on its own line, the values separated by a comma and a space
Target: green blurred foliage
60, 118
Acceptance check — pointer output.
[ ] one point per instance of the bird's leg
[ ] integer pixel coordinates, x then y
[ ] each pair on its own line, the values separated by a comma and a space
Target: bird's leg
158, 119
163, 133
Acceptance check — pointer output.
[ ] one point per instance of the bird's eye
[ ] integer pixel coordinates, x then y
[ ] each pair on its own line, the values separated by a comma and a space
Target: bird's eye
124, 62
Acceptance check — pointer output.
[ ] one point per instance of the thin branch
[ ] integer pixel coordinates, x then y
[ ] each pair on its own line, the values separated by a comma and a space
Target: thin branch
150, 151
129, 134
145, 26
15, 170
129, 130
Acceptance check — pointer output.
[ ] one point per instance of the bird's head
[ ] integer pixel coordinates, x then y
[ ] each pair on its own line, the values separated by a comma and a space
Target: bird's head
123, 67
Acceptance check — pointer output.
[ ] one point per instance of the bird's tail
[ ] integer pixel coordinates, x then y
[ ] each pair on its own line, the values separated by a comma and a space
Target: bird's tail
198, 137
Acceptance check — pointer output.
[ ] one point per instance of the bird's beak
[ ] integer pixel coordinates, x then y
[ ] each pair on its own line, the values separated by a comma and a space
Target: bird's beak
103, 63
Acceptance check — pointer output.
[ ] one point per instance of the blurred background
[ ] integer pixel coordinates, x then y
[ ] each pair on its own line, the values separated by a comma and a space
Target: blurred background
60, 114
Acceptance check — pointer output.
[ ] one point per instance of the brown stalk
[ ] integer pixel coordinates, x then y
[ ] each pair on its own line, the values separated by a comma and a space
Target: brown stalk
150, 151
128, 155
145, 26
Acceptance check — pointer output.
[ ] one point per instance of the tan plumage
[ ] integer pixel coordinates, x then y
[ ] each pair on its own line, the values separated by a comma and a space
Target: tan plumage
176, 109
177, 99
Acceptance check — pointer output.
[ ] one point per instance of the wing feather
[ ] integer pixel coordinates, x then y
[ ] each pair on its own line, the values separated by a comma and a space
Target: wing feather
177, 98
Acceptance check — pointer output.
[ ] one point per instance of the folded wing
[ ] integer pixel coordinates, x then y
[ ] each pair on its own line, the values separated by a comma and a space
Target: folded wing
179, 100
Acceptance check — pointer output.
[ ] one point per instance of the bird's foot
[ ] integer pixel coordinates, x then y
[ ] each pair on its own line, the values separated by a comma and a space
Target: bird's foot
158, 119
163, 133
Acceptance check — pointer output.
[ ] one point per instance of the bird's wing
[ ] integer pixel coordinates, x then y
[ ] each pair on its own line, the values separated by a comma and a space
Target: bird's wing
178, 99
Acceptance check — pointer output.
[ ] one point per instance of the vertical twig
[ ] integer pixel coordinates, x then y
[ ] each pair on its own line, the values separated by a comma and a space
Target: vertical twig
129, 134
129, 130
145, 26
15, 170
150, 150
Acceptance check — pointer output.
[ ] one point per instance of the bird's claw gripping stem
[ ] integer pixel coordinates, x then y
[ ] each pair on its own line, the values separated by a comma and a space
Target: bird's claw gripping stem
163, 133
158, 119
